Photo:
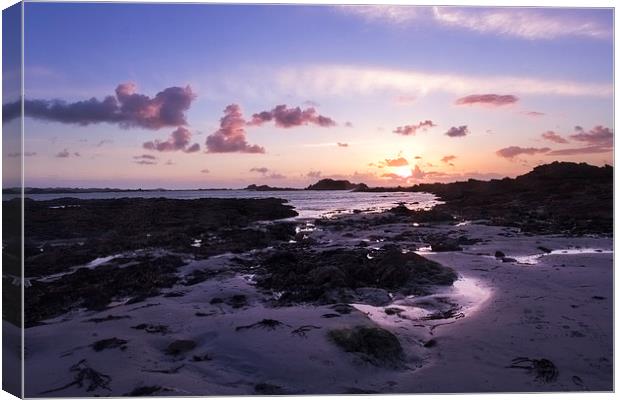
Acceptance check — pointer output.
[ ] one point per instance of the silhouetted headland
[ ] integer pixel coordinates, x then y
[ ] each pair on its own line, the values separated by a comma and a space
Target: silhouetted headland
560, 197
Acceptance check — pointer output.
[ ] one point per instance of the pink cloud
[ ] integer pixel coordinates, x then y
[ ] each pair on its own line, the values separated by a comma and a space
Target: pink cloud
285, 117
448, 159
145, 157
260, 170
26, 154
396, 162
405, 99
264, 172
407, 130
66, 154
494, 100
417, 173
179, 140
126, 108
553, 137
597, 136
230, 137
514, 151
104, 141
533, 113
581, 150
458, 131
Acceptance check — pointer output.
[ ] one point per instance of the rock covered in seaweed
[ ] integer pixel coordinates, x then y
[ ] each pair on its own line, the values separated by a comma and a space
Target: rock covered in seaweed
332, 275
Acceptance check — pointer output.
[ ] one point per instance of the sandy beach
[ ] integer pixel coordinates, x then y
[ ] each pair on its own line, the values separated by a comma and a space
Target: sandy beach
231, 339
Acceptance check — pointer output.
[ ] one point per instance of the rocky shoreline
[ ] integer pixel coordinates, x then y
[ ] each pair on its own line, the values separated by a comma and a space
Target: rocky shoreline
556, 198
229, 296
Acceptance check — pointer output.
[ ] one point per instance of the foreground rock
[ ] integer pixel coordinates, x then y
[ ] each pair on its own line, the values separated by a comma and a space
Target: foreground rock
343, 275
69, 232
95, 289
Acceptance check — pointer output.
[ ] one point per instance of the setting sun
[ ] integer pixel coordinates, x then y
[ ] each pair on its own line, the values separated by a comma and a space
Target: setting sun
403, 172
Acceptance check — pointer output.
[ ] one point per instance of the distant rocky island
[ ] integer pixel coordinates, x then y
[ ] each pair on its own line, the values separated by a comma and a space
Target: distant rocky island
267, 188
333, 184
323, 184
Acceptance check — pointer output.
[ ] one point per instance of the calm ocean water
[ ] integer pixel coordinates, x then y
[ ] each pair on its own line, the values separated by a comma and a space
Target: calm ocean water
309, 204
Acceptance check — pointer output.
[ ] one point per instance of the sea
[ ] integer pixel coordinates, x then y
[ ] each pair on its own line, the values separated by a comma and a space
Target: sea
308, 203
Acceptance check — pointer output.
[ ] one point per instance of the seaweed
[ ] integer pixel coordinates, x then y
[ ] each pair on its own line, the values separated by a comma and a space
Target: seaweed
542, 368
374, 345
270, 324
85, 375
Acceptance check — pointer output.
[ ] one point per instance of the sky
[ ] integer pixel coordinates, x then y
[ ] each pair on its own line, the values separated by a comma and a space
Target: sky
214, 96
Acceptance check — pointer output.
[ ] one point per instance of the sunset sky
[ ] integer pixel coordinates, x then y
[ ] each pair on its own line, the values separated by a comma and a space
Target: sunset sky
189, 96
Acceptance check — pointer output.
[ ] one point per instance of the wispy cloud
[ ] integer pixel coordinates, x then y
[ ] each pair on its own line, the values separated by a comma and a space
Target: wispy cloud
260, 170
264, 172
145, 159
26, 154
275, 175
66, 154
399, 15
493, 100
581, 150
409, 130
448, 159
514, 151
597, 136
104, 141
350, 80
404, 99
553, 137
533, 114
524, 23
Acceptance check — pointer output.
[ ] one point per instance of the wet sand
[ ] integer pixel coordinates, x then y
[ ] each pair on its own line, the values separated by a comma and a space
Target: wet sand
457, 339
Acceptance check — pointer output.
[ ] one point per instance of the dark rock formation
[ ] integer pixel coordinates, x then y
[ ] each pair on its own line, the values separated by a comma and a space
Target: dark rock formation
334, 276
560, 197
332, 184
